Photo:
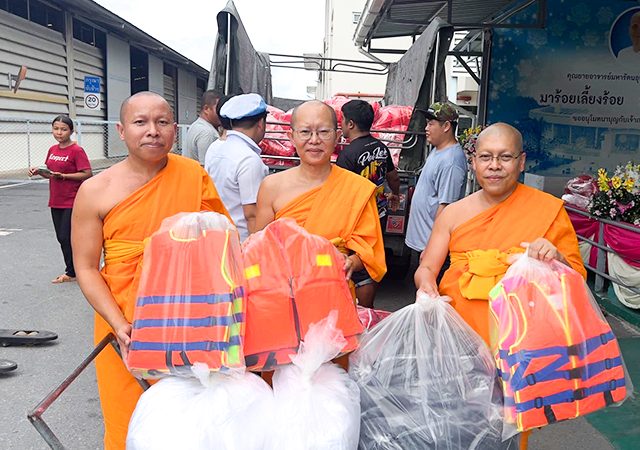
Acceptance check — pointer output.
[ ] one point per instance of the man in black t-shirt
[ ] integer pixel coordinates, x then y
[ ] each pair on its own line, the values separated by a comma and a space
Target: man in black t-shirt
367, 156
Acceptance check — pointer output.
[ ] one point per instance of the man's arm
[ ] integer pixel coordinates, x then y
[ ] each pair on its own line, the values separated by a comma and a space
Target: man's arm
434, 255
265, 213
250, 215
203, 141
250, 174
393, 180
86, 240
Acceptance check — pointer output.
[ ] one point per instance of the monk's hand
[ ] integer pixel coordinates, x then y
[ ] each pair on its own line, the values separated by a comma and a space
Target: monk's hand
123, 335
349, 265
426, 281
542, 250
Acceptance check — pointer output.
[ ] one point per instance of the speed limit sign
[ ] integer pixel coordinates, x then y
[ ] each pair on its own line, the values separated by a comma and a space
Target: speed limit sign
92, 101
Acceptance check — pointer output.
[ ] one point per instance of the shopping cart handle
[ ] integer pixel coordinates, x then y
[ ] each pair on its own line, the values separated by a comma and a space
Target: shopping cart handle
35, 416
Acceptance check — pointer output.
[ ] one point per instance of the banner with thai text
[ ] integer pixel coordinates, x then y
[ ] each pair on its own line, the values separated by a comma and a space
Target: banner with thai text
572, 88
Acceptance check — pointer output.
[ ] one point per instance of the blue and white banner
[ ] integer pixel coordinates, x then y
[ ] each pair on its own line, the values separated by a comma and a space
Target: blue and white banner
573, 88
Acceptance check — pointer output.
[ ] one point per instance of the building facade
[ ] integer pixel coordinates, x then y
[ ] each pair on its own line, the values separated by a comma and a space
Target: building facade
61, 43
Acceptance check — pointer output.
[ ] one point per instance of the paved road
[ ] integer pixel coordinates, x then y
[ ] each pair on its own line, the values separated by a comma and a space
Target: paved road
29, 259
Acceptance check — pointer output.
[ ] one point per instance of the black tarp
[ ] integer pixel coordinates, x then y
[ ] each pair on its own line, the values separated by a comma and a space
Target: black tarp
250, 71
410, 83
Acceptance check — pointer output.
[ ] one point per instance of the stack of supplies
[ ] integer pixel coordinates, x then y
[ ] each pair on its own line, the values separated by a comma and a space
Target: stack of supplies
190, 304
294, 278
556, 354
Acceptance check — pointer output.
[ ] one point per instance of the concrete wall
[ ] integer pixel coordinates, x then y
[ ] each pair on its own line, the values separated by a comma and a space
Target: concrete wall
187, 108
156, 80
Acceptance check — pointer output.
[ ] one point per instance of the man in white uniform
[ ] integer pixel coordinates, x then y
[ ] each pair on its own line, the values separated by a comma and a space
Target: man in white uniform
235, 166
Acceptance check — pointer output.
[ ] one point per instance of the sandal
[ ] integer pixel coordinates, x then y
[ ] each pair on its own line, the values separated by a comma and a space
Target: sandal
64, 278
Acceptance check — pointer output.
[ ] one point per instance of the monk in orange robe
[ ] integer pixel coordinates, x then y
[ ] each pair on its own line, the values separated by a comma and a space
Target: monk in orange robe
117, 211
483, 231
325, 200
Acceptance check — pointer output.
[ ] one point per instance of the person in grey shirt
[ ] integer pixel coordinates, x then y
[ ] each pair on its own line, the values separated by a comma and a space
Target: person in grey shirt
443, 177
203, 132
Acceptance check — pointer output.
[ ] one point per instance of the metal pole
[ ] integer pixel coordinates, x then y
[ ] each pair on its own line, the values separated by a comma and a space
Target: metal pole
28, 144
228, 68
600, 264
79, 132
435, 69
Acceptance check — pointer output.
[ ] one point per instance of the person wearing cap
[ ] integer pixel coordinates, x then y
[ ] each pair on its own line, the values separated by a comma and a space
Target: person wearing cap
483, 231
203, 131
325, 199
235, 166
114, 213
443, 177
370, 158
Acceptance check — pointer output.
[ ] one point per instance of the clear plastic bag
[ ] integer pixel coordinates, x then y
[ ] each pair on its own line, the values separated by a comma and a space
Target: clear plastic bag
427, 381
231, 411
294, 279
556, 354
317, 404
190, 301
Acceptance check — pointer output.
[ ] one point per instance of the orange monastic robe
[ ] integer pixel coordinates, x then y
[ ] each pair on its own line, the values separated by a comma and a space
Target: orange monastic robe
182, 186
479, 249
344, 211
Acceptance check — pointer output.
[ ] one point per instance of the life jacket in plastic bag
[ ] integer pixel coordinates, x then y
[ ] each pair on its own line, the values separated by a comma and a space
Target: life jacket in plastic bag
294, 279
190, 302
556, 355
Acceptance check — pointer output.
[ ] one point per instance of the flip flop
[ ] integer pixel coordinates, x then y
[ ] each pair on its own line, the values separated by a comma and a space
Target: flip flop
7, 366
64, 278
25, 337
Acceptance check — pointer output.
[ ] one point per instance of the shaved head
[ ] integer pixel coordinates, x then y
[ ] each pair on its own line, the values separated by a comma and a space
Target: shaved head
125, 104
310, 105
502, 131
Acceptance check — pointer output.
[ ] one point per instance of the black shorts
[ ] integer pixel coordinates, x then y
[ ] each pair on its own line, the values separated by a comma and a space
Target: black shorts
361, 278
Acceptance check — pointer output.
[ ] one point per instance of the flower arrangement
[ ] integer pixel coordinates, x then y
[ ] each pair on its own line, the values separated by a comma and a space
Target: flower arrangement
618, 195
469, 138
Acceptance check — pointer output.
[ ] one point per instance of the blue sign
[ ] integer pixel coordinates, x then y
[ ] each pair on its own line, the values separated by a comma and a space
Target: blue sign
91, 85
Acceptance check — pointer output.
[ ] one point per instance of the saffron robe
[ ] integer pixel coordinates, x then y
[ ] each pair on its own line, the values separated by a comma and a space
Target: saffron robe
480, 247
181, 186
343, 210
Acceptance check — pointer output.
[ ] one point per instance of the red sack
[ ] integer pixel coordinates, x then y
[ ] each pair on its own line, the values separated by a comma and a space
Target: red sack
371, 317
392, 118
275, 141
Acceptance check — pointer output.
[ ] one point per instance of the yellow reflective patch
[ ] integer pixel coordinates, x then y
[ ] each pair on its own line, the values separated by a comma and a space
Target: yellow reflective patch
252, 271
323, 260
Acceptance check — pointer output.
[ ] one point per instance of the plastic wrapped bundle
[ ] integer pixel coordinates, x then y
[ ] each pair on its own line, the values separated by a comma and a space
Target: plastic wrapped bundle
317, 404
579, 190
371, 317
276, 141
556, 354
190, 302
294, 279
223, 411
427, 381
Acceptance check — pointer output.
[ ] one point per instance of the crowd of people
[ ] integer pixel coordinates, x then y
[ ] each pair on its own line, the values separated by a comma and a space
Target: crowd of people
465, 243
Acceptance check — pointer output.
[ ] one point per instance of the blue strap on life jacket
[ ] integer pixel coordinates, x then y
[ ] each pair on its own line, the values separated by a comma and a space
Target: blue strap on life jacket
567, 396
206, 346
523, 358
210, 321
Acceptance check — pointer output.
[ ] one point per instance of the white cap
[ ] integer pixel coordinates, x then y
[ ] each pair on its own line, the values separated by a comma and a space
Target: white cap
244, 105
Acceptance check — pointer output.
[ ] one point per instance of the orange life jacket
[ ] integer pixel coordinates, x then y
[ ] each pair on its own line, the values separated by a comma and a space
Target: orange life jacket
556, 355
294, 279
190, 305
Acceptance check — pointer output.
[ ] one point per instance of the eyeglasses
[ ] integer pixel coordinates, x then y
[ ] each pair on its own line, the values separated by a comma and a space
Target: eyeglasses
324, 134
506, 158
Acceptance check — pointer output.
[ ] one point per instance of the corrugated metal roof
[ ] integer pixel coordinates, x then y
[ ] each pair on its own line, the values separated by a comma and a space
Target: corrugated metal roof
411, 17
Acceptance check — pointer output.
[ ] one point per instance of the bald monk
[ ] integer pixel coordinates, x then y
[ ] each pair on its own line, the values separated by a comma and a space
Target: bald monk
115, 212
324, 199
483, 230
